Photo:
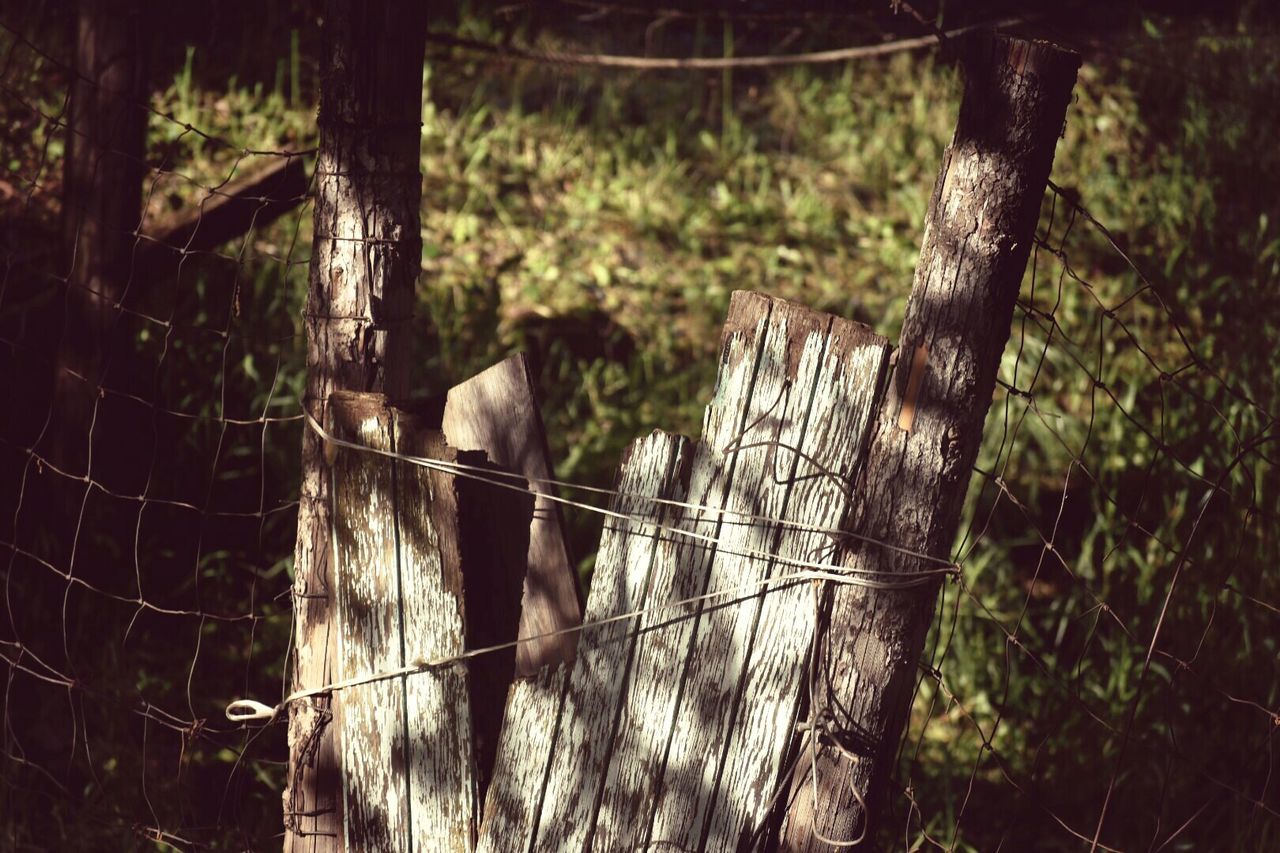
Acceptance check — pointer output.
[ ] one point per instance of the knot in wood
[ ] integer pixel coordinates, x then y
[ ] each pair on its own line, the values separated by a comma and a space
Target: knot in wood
951, 451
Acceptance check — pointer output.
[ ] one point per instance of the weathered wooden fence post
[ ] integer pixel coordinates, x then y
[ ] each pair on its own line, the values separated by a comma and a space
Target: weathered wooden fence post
978, 233
406, 747
102, 174
365, 259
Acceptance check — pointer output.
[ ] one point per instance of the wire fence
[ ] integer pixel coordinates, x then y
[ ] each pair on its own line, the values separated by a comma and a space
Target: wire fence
1120, 693
149, 520
1138, 625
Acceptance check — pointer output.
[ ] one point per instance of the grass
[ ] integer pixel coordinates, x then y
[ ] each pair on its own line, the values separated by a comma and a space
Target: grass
812, 185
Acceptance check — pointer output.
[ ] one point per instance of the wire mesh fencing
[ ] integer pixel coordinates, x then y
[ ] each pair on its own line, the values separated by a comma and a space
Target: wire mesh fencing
149, 467
1112, 693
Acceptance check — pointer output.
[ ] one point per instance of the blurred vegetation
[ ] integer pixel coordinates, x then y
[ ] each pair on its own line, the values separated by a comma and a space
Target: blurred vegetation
600, 222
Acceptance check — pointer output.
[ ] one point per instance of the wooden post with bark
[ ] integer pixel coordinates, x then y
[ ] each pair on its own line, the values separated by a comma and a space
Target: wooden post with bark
978, 234
365, 260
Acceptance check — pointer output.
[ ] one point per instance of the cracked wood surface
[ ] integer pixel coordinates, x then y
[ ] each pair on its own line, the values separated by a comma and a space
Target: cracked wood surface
978, 234
672, 729
407, 764
365, 259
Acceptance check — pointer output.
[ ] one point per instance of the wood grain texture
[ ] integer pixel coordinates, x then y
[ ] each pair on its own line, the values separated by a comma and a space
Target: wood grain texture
626, 562
673, 727
814, 382
495, 411
407, 763
561, 752
529, 728
365, 259
442, 777
978, 233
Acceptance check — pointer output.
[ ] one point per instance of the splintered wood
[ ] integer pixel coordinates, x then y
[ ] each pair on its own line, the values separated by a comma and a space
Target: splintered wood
495, 411
671, 728
407, 765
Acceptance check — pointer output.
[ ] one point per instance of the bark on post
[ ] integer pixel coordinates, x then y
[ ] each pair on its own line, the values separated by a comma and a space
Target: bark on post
102, 204
978, 234
365, 260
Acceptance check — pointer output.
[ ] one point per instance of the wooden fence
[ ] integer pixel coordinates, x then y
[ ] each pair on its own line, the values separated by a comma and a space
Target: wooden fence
673, 722
760, 596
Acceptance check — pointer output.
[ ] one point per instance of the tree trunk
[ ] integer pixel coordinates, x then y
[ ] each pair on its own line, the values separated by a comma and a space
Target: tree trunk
365, 260
978, 234
102, 203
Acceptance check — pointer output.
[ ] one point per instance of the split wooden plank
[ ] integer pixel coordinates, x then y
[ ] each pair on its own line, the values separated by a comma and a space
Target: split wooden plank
407, 761
530, 724
652, 720
555, 742
814, 389
832, 438
648, 711
443, 807
651, 711
496, 411
370, 718
654, 468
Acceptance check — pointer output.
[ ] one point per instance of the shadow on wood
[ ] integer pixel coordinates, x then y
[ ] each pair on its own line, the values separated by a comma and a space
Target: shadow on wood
671, 728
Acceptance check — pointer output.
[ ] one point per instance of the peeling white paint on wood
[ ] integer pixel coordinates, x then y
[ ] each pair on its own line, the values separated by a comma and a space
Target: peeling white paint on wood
674, 733
812, 396
589, 718
529, 729
442, 786
554, 742
406, 751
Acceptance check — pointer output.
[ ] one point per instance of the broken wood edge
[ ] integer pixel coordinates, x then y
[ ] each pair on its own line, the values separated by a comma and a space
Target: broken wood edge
858, 334
497, 411
481, 532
